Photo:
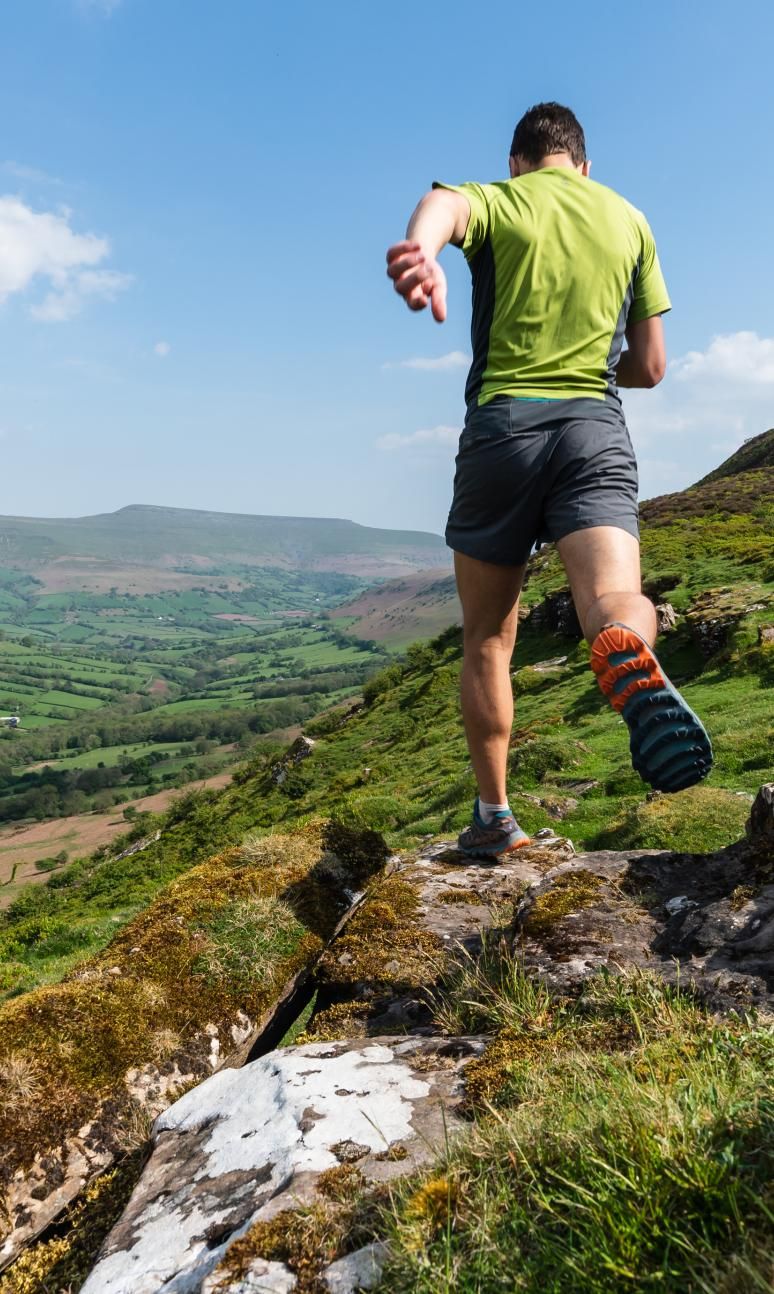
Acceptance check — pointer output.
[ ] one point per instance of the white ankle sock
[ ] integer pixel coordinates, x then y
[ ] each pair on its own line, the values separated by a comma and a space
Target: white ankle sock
488, 811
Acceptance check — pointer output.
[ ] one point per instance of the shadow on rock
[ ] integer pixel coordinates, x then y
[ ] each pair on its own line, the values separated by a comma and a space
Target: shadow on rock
701, 920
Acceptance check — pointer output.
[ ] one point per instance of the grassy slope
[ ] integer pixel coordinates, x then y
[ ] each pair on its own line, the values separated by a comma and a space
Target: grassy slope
623, 1143
400, 766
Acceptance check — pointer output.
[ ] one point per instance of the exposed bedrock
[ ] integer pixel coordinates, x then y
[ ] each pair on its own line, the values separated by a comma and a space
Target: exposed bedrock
373, 1093
252, 1143
705, 920
269, 1176
161, 1008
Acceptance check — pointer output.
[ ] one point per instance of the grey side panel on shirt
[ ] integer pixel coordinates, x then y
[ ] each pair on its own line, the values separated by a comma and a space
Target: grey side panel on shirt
616, 343
482, 269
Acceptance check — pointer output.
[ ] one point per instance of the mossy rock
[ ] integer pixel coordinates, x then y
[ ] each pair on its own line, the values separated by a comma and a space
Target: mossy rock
538, 755
210, 955
697, 820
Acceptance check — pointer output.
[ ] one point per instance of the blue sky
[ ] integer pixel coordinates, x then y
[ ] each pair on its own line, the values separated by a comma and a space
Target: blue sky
196, 198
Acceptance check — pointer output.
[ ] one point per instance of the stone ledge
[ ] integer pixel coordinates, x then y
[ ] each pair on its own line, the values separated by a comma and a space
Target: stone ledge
249, 1144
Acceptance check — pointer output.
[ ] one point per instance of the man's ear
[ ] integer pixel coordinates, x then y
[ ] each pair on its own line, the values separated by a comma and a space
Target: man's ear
513, 167
586, 168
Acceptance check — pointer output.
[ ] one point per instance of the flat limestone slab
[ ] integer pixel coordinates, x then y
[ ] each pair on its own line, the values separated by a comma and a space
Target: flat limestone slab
249, 1143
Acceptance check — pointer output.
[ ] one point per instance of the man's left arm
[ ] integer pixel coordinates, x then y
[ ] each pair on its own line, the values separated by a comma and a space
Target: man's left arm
644, 363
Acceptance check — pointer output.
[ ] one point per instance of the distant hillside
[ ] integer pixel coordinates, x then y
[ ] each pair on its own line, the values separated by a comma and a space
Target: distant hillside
742, 485
756, 452
200, 542
400, 611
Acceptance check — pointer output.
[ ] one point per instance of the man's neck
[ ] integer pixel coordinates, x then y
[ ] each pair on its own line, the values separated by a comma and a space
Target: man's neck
554, 159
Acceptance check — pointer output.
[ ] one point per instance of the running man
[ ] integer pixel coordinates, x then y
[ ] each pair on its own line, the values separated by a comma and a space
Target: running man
563, 270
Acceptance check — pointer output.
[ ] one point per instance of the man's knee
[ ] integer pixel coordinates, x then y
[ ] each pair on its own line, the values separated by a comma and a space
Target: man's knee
488, 639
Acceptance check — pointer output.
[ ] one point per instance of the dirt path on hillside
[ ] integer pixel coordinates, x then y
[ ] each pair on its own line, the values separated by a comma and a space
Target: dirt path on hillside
21, 846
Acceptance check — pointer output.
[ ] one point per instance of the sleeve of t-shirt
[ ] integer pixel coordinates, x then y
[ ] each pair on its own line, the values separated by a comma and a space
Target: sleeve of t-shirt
479, 222
650, 292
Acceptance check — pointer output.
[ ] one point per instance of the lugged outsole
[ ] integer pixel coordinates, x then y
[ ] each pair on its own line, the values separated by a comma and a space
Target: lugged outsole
669, 745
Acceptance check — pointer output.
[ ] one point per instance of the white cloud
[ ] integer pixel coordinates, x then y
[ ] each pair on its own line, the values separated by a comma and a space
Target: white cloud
41, 244
732, 357
30, 173
434, 364
67, 301
432, 436
708, 404
162, 349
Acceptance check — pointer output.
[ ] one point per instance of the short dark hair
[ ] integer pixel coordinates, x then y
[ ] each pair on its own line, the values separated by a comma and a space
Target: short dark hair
549, 128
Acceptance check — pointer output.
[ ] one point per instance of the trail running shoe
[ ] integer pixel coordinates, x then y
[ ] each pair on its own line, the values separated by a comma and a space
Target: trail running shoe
669, 745
489, 839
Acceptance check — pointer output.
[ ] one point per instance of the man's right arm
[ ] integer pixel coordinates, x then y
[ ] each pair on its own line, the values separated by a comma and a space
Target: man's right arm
644, 363
441, 217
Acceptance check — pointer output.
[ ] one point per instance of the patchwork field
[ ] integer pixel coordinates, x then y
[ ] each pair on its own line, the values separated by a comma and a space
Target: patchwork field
120, 695
24, 845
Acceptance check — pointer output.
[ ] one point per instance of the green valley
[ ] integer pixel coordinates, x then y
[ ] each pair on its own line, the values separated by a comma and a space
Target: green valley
145, 649
398, 763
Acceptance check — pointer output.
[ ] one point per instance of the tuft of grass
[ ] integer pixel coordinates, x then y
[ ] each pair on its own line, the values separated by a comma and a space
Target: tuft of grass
624, 1141
489, 992
19, 1082
248, 941
696, 820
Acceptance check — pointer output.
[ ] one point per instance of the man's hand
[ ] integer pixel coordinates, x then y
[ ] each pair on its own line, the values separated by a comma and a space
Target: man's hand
418, 278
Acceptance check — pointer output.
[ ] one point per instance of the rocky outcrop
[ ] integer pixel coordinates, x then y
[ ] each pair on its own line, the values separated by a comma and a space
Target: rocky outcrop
190, 983
296, 754
700, 920
378, 977
371, 1091
251, 1144
666, 620
760, 826
714, 614
557, 614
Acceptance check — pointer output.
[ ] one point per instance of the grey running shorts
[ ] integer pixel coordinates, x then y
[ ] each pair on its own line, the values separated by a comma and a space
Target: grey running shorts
533, 471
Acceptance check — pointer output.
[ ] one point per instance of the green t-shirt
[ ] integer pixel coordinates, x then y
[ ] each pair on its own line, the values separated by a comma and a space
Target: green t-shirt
561, 265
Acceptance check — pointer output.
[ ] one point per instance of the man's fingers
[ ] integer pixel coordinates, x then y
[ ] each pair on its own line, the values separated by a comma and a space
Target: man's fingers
398, 249
404, 262
415, 277
438, 302
417, 300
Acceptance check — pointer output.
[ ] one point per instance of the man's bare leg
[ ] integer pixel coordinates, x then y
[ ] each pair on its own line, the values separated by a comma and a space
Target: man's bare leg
603, 567
669, 745
490, 604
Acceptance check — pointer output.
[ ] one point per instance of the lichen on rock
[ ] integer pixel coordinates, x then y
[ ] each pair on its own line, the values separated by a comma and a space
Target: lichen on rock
170, 997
